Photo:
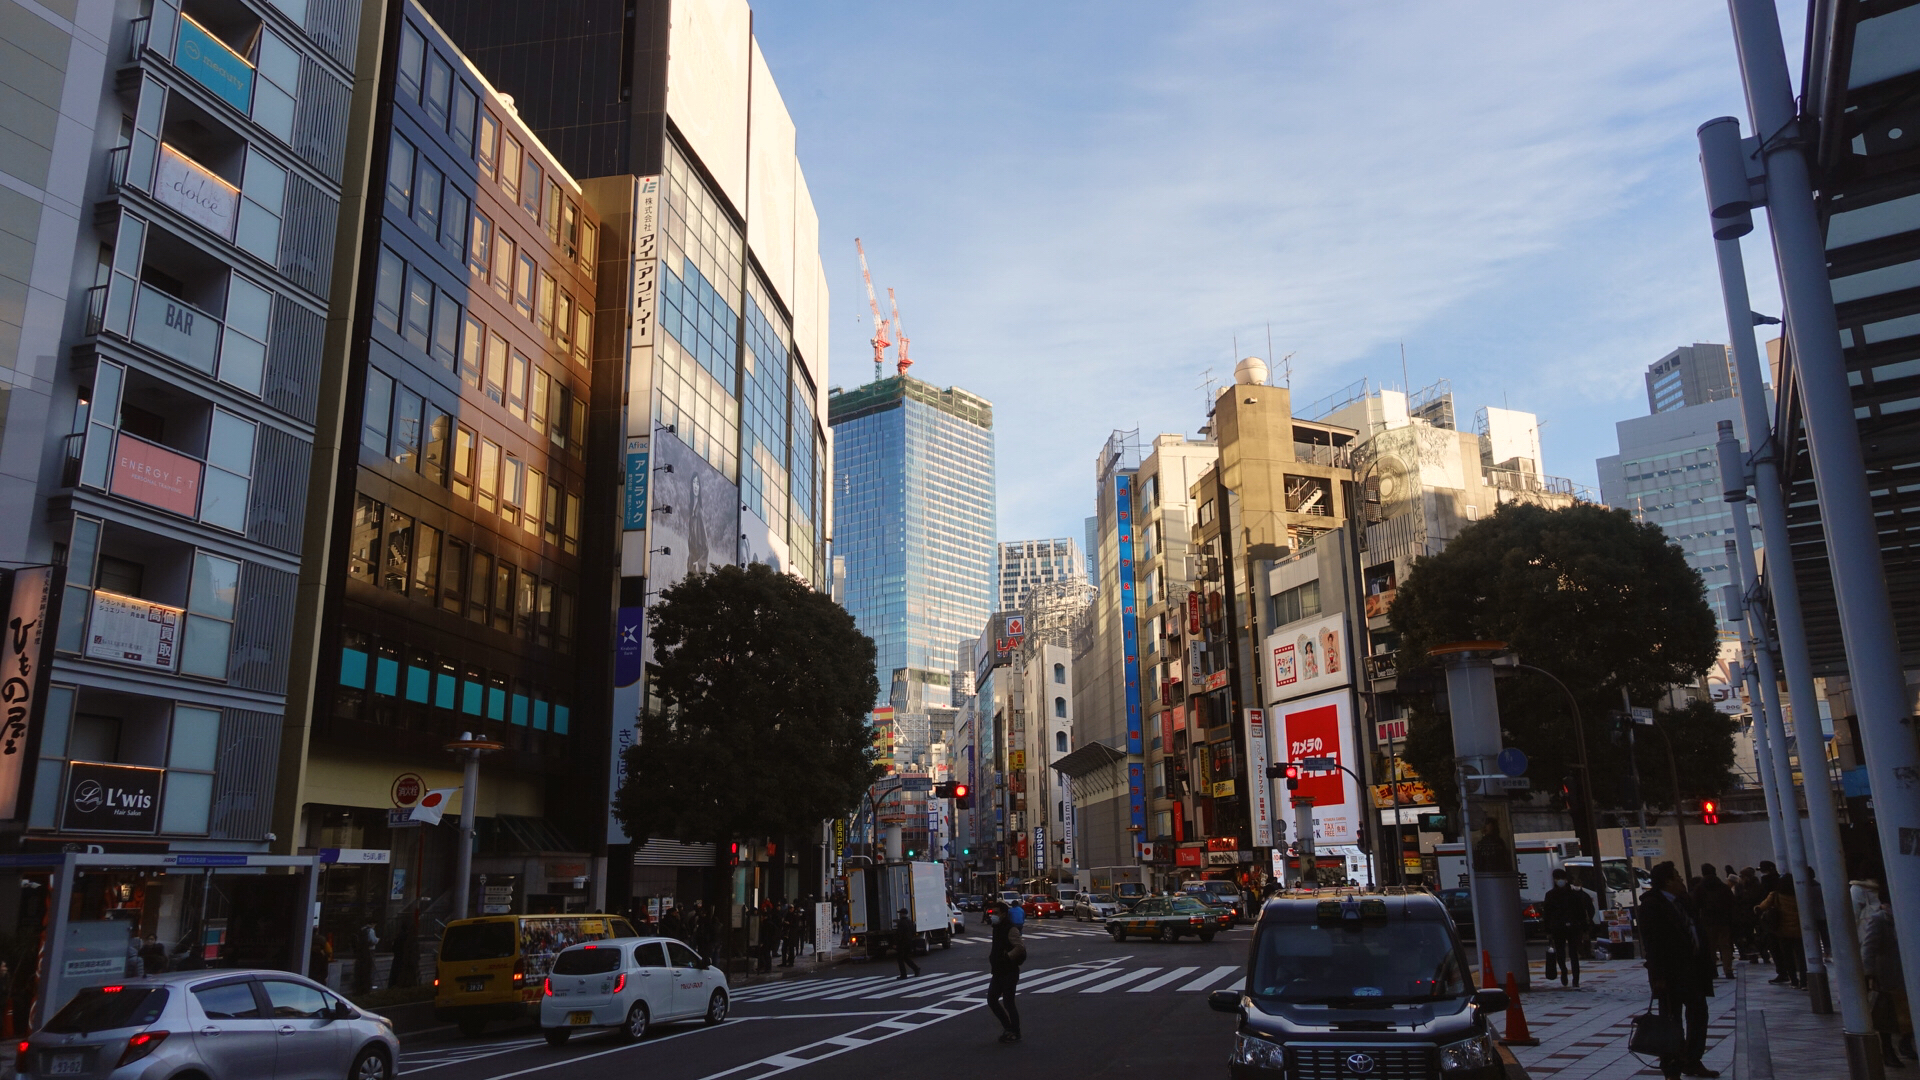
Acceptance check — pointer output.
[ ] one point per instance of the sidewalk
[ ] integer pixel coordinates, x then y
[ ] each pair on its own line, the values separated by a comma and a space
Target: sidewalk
1779, 1036
1583, 1033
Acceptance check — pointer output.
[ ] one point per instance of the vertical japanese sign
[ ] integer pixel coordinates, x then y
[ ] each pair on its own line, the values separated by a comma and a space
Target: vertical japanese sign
22, 682
646, 259
1258, 786
1130, 646
1069, 817
642, 320
629, 664
636, 485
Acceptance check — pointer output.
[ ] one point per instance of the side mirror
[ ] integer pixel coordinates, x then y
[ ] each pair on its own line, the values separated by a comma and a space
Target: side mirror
1490, 1000
1228, 1001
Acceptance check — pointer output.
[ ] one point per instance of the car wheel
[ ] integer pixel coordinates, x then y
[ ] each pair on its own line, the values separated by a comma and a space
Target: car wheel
1206, 935
472, 1026
635, 1027
1118, 934
557, 1036
1169, 934
371, 1064
716, 1007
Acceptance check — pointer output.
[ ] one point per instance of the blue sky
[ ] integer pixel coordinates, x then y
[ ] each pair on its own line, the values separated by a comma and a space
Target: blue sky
1082, 204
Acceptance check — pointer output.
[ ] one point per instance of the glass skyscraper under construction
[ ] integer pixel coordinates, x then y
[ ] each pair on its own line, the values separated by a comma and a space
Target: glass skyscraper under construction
914, 517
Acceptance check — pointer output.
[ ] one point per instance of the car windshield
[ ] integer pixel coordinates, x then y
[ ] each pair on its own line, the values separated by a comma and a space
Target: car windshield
1371, 965
588, 960
104, 1008
478, 941
1187, 905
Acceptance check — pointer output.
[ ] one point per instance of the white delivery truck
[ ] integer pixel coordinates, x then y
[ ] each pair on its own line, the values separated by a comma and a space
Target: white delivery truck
875, 895
1128, 884
1536, 862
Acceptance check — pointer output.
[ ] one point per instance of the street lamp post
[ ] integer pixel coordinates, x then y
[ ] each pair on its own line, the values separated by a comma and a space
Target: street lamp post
470, 749
1673, 780
1590, 835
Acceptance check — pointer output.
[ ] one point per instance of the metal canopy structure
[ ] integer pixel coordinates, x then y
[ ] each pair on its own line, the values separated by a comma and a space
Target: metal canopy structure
1861, 107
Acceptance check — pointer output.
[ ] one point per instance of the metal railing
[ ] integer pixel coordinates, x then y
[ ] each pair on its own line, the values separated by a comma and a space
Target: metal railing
1322, 454
117, 168
139, 32
73, 447
96, 310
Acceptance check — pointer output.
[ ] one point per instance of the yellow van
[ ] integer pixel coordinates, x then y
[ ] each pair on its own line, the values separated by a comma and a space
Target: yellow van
491, 968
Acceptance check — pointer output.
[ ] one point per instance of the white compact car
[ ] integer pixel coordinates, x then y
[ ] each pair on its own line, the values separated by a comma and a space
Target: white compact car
629, 984
1095, 907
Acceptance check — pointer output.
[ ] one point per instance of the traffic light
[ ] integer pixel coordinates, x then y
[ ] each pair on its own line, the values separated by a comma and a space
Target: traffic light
733, 854
943, 790
1293, 777
1709, 811
962, 797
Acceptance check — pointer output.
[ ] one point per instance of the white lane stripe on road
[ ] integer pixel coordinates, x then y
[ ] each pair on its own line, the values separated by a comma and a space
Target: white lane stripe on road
798, 1056
1212, 977
603, 1053
1101, 988
1162, 980
916, 986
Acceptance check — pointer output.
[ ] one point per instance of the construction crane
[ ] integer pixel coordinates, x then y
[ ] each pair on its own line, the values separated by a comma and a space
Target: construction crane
879, 340
899, 330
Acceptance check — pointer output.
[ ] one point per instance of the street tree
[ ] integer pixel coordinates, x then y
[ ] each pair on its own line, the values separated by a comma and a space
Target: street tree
762, 689
1599, 600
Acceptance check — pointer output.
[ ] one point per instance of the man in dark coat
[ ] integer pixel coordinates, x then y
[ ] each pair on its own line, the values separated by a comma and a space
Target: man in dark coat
1569, 917
1679, 967
904, 936
1713, 900
1004, 958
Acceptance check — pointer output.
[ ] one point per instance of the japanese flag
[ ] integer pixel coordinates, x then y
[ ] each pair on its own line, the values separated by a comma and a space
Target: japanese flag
432, 805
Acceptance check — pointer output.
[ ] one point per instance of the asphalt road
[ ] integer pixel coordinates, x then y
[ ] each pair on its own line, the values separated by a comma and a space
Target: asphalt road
1088, 1007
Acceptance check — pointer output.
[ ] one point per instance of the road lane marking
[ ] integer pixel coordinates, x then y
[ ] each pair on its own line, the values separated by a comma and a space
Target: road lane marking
788, 1060
1063, 984
913, 987
805, 988
1162, 980
1212, 977
1102, 988
651, 1041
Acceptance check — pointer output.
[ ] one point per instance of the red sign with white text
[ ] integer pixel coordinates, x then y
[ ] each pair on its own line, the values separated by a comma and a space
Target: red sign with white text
1316, 733
155, 475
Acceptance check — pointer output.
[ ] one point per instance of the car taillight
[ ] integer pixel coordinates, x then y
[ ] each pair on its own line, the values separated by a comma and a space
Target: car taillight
620, 983
1195, 920
1530, 912
436, 984
22, 1049
519, 969
546, 987
141, 1045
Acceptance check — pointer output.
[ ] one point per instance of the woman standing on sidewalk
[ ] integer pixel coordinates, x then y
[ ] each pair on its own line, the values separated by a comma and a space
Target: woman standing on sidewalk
1880, 962
1780, 915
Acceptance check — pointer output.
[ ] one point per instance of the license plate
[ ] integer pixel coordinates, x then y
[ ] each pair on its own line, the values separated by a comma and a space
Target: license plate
474, 986
579, 1019
66, 1064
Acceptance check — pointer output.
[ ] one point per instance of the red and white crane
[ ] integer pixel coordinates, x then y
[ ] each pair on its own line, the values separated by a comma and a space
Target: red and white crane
880, 324
900, 331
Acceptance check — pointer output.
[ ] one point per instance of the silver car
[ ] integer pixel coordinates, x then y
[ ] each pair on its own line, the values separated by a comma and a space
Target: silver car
1095, 907
219, 1023
629, 984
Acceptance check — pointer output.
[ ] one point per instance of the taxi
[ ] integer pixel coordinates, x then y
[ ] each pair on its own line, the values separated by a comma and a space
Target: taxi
1166, 918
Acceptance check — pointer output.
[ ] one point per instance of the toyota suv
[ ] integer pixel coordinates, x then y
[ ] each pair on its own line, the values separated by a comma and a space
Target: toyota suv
1361, 985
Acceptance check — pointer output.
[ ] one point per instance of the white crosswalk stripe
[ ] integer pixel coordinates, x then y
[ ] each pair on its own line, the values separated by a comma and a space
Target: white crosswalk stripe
1162, 980
1211, 977
1094, 977
1101, 988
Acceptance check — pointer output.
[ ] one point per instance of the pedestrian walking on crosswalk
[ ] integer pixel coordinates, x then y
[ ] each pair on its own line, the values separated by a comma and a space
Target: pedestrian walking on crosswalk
904, 937
1003, 961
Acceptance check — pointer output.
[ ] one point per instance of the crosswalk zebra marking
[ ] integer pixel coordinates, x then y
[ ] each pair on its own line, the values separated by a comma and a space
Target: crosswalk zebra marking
1211, 977
1101, 988
1162, 980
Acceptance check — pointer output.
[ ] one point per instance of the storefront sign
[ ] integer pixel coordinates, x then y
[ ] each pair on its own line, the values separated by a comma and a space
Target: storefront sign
213, 65
174, 328
407, 789
1193, 614
1223, 858
1130, 652
636, 487
1223, 789
353, 856
1380, 586
133, 631
1409, 793
1387, 731
1259, 789
1320, 727
1215, 681
646, 259
112, 798
1189, 856
21, 683
152, 474
196, 192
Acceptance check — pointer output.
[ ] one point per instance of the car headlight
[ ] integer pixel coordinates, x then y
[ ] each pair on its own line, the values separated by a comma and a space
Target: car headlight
1257, 1053
1478, 1052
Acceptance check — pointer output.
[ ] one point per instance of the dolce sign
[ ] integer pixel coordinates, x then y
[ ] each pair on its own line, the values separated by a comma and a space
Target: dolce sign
112, 798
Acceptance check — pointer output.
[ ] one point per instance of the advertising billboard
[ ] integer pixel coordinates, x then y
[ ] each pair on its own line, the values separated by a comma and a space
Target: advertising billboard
1322, 726
1308, 658
695, 524
1380, 585
129, 630
152, 474
22, 676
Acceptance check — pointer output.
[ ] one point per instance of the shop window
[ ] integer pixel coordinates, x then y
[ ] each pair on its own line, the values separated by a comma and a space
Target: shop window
211, 600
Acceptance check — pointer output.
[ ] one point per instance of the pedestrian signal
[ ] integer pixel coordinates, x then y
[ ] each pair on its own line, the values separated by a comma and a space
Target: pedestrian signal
1709, 812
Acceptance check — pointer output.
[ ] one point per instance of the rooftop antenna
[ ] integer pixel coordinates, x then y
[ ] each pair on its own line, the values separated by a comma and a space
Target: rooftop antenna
1207, 382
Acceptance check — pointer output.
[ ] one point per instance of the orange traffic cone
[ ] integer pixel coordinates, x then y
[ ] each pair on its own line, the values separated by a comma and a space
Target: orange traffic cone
1486, 971
1517, 1033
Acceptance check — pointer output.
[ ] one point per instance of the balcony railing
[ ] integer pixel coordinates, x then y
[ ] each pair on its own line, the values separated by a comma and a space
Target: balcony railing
117, 168
72, 448
1321, 454
138, 33
96, 310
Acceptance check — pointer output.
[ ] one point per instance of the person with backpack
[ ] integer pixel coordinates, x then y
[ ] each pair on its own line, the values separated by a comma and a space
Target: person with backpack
1004, 958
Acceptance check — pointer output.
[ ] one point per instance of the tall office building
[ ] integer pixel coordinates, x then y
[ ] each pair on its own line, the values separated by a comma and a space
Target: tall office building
706, 441
1026, 563
1690, 375
913, 493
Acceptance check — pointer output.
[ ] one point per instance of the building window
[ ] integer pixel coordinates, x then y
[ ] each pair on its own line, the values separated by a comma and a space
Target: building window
397, 562
470, 345
497, 368
480, 245
400, 165
426, 198
1060, 742
510, 169
413, 52
389, 284
446, 331
1060, 673
453, 575
463, 462
523, 271
460, 124
1060, 707
210, 602
489, 144
439, 427
478, 582
426, 562
489, 479
530, 186
419, 325
439, 96
503, 260
376, 412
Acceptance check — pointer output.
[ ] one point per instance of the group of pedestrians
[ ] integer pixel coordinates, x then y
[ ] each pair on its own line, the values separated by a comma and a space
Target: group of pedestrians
1691, 930
697, 925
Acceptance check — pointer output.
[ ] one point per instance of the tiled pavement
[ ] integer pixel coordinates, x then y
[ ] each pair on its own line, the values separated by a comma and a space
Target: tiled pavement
1583, 1033
1781, 1037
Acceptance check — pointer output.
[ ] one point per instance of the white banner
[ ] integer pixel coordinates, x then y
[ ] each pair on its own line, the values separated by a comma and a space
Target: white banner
1258, 786
1307, 658
196, 192
129, 630
1322, 726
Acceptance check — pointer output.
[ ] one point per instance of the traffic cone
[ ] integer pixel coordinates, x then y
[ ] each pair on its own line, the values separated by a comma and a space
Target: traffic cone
1486, 971
1517, 1033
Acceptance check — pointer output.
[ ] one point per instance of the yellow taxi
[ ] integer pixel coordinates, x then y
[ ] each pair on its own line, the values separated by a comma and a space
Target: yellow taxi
491, 968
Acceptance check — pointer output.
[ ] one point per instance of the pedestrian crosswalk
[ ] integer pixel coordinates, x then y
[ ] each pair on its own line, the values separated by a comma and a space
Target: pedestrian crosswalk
1037, 932
1098, 977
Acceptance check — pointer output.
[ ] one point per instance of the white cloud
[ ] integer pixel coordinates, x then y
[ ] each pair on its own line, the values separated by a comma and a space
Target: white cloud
1082, 208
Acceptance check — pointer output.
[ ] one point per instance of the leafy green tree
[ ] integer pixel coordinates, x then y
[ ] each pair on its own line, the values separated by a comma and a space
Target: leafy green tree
764, 687
1594, 597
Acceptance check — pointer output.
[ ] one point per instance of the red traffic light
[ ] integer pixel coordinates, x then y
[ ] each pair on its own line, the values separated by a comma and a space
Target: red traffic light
960, 791
1293, 771
1709, 812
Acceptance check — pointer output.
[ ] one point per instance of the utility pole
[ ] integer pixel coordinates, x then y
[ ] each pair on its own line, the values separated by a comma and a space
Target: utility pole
1851, 530
470, 749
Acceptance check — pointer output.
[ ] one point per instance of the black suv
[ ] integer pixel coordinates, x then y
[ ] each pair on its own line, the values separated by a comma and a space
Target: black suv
1362, 986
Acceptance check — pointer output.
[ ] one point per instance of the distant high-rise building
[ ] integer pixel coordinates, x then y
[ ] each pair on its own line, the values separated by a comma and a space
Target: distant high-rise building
1093, 545
913, 503
1689, 375
1026, 563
